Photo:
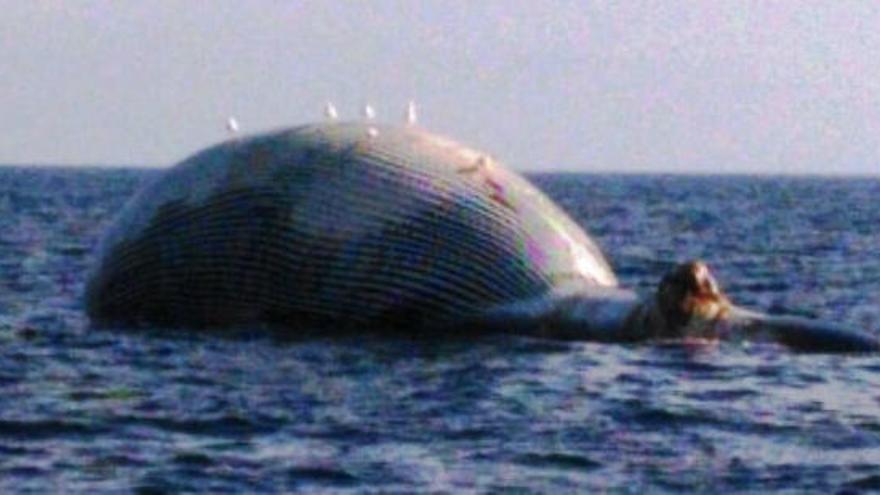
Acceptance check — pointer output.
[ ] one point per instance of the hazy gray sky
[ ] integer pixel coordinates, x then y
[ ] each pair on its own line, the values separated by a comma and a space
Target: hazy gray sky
637, 85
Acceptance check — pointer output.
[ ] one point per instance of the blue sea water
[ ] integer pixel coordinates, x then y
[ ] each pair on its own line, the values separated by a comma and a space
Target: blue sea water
89, 411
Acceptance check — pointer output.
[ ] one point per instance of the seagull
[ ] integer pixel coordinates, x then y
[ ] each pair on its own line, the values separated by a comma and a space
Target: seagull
411, 116
369, 113
330, 111
232, 125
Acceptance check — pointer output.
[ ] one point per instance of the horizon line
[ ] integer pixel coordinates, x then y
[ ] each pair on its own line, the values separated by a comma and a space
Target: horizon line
561, 171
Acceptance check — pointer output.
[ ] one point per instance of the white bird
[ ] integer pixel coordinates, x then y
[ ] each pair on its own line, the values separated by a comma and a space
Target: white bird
330, 111
411, 116
369, 113
232, 125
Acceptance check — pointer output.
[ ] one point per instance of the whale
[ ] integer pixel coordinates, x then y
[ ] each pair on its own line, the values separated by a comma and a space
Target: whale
367, 227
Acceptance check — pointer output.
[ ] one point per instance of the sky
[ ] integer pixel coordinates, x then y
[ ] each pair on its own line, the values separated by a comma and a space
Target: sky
636, 86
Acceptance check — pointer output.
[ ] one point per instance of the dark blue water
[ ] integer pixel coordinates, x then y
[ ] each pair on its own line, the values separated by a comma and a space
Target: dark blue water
114, 411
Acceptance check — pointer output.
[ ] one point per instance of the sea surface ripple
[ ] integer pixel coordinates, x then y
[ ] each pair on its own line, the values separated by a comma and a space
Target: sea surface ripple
89, 411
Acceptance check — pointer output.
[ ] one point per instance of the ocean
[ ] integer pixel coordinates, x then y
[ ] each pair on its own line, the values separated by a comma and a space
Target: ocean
116, 411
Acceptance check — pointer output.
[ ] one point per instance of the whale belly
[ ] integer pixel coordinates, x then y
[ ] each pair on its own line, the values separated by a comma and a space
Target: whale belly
335, 225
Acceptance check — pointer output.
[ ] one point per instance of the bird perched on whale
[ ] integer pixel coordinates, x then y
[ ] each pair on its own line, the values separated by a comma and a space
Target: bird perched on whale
328, 226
